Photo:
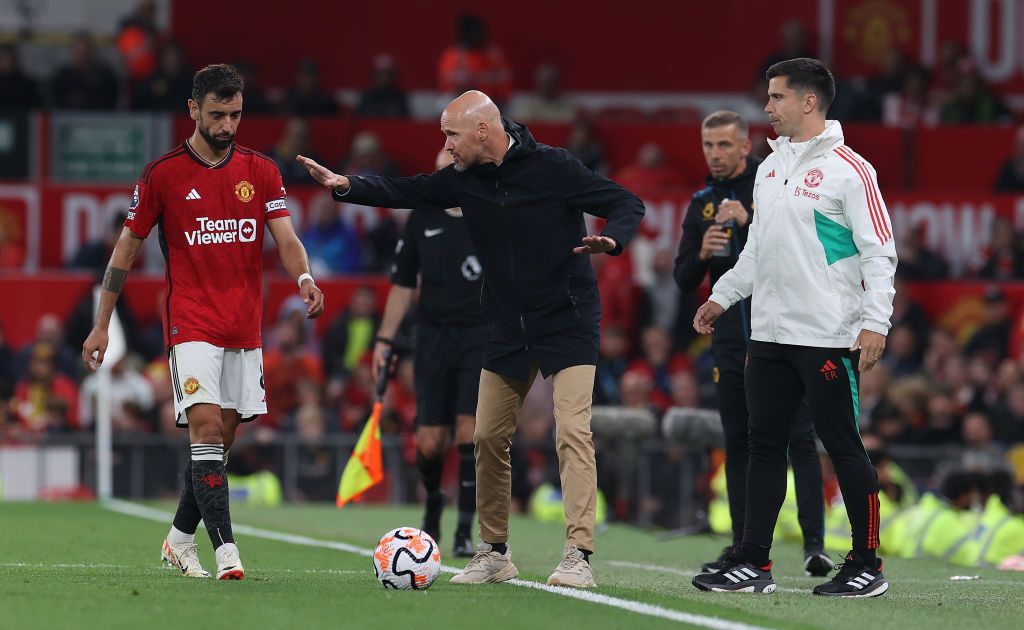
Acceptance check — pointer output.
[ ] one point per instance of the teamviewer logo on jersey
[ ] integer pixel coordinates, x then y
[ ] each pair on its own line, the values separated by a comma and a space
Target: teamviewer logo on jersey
216, 231
247, 230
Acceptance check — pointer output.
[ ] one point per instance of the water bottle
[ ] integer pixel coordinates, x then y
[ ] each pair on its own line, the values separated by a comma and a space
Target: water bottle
728, 228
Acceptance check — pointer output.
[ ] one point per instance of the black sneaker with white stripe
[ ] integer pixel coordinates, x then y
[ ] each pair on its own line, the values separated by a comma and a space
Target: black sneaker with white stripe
737, 576
723, 559
817, 563
856, 578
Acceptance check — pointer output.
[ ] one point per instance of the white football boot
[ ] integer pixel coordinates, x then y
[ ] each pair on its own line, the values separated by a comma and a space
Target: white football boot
184, 557
229, 565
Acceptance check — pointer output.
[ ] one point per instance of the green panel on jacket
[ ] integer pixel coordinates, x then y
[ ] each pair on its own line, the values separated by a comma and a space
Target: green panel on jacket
836, 239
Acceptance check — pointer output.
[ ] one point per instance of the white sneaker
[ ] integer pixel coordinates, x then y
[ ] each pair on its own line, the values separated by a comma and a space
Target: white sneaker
229, 565
573, 570
487, 566
184, 557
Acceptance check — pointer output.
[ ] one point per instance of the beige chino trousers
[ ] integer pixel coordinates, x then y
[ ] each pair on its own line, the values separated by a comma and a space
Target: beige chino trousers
497, 414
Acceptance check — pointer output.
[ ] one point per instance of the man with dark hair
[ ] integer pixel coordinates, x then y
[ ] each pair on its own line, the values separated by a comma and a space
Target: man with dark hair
714, 232
820, 263
523, 204
212, 200
435, 253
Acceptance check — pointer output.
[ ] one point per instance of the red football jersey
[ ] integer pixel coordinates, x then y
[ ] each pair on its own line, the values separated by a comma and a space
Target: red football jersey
211, 220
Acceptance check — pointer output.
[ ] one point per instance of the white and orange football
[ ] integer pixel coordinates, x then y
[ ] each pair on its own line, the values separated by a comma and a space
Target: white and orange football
407, 559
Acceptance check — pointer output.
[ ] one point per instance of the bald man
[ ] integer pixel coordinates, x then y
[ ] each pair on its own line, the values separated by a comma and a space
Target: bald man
436, 254
523, 203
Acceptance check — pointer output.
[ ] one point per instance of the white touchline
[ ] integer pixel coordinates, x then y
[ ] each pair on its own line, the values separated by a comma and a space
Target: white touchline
83, 565
654, 568
651, 610
61, 565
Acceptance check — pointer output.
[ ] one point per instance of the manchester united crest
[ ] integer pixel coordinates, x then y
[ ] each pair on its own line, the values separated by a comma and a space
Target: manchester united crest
813, 178
708, 211
191, 385
244, 191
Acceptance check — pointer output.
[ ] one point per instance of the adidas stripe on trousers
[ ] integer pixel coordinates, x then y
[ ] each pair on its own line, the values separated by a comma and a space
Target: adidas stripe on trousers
778, 377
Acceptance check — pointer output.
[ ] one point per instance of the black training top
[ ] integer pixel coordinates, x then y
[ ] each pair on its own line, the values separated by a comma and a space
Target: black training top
436, 245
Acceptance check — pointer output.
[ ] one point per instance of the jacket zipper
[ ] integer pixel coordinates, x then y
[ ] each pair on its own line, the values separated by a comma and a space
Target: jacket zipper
785, 202
511, 262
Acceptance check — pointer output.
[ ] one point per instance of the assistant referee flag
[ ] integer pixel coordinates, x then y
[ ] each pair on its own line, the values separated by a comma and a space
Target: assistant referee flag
365, 468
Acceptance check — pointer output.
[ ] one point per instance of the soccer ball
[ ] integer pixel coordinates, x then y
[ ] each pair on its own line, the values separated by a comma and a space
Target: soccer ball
407, 558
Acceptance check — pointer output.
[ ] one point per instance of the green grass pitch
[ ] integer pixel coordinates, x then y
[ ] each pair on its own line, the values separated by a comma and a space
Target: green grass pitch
80, 565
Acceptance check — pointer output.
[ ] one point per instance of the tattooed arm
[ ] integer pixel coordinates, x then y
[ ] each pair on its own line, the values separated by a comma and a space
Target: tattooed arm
113, 281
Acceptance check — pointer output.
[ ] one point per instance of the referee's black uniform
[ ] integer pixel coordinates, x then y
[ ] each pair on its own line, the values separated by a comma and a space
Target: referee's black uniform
451, 328
729, 350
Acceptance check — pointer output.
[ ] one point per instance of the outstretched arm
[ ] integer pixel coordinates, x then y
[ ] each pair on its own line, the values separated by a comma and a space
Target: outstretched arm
419, 191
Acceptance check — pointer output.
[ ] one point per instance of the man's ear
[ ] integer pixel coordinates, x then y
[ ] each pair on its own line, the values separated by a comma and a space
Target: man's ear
193, 110
482, 130
810, 102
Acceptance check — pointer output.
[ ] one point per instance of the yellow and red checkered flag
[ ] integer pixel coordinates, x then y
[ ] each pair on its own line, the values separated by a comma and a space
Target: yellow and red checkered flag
365, 467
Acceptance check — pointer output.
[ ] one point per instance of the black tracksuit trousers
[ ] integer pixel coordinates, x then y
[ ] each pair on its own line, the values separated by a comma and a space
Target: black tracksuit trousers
803, 451
778, 378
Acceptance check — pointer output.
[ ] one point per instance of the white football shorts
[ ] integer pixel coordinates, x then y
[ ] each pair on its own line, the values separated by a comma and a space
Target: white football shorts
230, 378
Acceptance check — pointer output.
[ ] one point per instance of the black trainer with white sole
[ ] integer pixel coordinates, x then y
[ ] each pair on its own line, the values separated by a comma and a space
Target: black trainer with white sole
855, 579
737, 576
817, 563
723, 559
463, 546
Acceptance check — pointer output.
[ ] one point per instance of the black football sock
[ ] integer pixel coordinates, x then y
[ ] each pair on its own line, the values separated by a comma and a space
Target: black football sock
501, 548
187, 518
467, 489
430, 474
210, 485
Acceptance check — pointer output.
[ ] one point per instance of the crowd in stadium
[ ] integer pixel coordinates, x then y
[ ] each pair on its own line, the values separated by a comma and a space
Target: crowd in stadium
934, 386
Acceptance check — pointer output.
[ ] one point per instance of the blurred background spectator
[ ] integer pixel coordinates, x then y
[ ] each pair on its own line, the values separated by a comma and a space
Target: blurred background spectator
474, 63
547, 103
17, 91
649, 172
86, 82
307, 97
331, 245
255, 100
163, 89
367, 158
384, 98
138, 41
584, 144
294, 141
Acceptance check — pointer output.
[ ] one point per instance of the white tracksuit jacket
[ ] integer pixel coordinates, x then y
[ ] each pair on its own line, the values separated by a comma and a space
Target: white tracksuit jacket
820, 256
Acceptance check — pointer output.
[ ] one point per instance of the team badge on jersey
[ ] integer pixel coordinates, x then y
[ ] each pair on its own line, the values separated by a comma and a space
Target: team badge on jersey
244, 191
813, 178
191, 385
708, 211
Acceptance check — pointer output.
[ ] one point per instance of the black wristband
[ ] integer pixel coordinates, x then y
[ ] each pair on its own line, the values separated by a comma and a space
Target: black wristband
384, 340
